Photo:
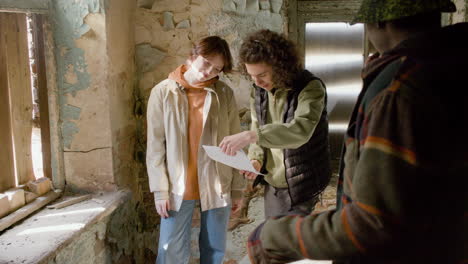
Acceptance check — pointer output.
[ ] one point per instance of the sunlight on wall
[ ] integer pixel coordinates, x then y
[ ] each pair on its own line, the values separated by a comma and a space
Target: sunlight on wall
36, 150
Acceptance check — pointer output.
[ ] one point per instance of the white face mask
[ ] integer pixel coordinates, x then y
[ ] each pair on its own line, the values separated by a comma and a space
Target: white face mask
202, 69
193, 74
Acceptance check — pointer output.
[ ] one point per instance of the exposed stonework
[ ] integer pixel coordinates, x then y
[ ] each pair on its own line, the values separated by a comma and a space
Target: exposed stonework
89, 247
204, 18
168, 21
148, 4
142, 35
132, 233
276, 5
147, 57
170, 5
251, 7
265, 5
183, 24
234, 27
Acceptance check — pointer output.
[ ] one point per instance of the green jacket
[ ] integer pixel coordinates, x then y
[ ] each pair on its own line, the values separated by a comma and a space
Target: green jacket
277, 135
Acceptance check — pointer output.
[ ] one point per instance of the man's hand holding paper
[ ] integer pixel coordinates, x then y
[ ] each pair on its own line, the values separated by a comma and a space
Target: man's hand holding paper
239, 161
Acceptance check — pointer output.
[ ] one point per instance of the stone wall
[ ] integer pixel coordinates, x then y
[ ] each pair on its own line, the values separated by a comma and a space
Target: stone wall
165, 31
89, 247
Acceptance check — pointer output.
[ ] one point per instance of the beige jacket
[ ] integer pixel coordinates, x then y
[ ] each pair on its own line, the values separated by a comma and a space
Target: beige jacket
167, 146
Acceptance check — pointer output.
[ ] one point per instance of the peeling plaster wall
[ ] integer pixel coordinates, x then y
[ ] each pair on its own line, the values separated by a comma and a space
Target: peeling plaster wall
98, 98
95, 77
39, 6
121, 82
79, 35
72, 72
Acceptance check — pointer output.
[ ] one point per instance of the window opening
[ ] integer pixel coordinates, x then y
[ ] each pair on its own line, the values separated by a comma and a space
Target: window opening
24, 117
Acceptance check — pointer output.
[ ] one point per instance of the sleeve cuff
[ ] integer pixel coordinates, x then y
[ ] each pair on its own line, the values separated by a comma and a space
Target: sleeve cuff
256, 155
259, 136
161, 195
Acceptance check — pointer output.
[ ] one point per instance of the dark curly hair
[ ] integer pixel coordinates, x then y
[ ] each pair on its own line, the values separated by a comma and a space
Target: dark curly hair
266, 46
214, 45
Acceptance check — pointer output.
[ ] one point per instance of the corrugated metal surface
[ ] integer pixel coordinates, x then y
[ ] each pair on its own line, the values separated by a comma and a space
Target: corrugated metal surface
334, 52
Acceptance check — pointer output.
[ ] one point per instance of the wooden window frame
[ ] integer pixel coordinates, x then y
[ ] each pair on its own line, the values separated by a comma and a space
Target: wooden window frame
49, 106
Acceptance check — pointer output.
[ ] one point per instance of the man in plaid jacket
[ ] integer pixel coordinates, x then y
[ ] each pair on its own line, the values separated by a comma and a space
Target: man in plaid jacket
402, 192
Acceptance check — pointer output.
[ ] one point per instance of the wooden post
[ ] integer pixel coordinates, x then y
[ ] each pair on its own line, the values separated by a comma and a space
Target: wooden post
7, 171
38, 38
19, 79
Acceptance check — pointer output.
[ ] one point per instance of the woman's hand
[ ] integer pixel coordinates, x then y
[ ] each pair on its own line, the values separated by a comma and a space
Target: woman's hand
252, 175
231, 144
163, 207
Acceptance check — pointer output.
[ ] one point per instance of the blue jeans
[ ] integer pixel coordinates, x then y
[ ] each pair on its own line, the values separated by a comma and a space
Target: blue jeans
174, 235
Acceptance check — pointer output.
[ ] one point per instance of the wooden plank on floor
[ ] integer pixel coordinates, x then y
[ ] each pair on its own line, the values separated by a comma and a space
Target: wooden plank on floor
69, 201
38, 37
19, 79
7, 172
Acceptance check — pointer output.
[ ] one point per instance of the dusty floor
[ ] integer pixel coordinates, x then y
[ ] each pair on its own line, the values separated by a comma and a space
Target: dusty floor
238, 237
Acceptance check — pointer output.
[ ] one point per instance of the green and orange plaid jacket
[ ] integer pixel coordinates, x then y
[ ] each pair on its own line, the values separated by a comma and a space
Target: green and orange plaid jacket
403, 190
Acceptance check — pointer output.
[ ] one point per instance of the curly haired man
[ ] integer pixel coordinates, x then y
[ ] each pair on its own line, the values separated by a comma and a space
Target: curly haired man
289, 134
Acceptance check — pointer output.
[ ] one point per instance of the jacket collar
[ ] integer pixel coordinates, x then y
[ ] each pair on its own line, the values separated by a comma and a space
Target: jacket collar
175, 87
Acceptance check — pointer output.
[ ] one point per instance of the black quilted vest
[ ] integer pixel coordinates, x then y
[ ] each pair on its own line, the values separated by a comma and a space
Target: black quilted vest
307, 168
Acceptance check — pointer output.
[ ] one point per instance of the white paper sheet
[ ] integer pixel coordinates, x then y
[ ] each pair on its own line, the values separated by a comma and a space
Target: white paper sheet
239, 161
